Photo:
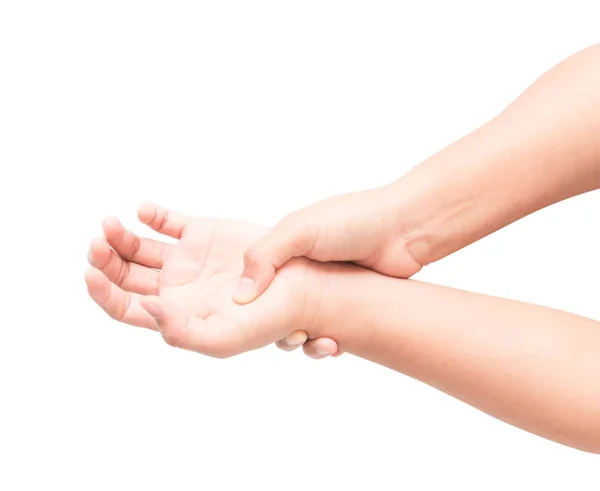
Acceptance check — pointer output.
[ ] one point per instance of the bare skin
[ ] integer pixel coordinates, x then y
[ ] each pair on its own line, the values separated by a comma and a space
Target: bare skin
185, 288
542, 149
532, 367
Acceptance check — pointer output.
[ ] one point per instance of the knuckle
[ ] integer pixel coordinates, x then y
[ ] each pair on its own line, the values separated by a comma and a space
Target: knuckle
135, 246
115, 310
116, 313
122, 273
164, 221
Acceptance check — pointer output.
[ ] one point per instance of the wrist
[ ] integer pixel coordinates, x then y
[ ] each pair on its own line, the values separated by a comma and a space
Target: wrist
430, 215
336, 301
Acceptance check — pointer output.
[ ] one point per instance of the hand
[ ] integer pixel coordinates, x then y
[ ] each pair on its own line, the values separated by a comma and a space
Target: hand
184, 290
362, 227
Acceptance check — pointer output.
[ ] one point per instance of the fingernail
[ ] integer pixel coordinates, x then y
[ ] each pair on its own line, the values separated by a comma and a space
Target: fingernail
295, 339
322, 352
153, 310
245, 289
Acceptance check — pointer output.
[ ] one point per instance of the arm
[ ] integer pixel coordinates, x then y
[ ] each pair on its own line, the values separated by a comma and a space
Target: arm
542, 149
533, 367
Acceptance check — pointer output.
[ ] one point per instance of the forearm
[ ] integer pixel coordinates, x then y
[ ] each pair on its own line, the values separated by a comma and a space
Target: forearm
542, 149
533, 367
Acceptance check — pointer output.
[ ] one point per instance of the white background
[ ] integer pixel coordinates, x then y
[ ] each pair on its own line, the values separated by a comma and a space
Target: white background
251, 109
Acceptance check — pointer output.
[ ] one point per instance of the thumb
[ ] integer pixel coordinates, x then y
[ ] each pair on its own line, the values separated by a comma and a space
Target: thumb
170, 321
289, 238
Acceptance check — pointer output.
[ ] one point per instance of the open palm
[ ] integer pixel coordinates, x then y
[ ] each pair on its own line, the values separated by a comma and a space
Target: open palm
185, 289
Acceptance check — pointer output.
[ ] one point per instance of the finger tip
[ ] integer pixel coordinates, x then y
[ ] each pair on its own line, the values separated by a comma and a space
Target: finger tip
285, 347
150, 300
95, 281
110, 224
97, 242
315, 356
245, 291
320, 348
296, 338
99, 245
98, 252
292, 341
242, 299
146, 211
155, 308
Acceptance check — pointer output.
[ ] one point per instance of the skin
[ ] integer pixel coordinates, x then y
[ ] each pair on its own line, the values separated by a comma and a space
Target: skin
542, 149
532, 367
184, 290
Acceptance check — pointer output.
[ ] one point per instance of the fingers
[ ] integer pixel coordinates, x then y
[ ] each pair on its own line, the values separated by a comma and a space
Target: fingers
315, 348
293, 341
321, 348
117, 303
129, 276
286, 240
170, 322
190, 333
164, 221
130, 247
